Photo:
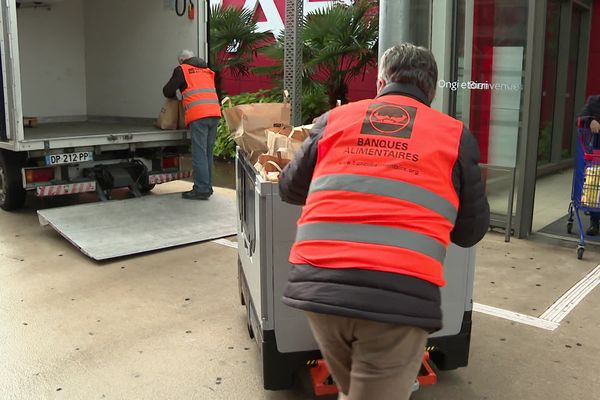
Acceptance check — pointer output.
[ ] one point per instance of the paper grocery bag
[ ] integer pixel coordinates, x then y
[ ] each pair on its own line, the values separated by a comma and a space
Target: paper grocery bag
248, 124
168, 118
181, 119
286, 141
269, 167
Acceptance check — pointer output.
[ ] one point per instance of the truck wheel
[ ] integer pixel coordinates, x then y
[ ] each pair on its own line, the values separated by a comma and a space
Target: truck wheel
12, 194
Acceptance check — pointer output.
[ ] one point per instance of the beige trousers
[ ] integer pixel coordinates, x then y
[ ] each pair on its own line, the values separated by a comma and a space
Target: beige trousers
369, 360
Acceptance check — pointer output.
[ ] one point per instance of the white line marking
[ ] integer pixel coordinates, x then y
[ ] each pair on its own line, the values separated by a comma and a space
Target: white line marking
225, 242
563, 306
516, 317
549, 320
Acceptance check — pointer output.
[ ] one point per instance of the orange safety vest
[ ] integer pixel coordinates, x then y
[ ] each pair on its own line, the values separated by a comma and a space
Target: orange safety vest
200, 98
382, 196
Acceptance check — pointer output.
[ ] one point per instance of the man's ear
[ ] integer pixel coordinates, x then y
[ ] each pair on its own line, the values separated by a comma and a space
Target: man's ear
380, 85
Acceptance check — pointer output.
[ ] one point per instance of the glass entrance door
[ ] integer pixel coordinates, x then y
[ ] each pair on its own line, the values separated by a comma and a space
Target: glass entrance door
562, 97
549, 82
486, 88
568, 132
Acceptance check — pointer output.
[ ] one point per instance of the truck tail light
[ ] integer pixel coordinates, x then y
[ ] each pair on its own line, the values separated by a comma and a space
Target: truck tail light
39, 175
170, 162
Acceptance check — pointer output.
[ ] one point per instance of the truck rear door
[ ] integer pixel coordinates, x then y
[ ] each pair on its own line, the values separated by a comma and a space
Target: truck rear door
202, 13
11, 126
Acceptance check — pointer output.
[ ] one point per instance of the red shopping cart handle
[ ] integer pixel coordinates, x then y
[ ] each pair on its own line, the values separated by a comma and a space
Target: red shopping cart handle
594, 156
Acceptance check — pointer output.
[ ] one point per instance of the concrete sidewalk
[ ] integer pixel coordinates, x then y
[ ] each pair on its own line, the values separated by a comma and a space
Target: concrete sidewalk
169, 325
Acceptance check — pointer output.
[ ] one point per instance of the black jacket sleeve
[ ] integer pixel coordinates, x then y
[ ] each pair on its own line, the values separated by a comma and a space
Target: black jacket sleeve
591, 110
295, 179
473, 219
177, 81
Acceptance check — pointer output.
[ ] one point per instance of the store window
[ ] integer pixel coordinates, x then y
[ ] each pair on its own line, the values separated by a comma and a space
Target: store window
487, 85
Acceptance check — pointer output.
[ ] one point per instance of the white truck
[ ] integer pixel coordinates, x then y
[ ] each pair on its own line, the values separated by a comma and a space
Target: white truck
81, 87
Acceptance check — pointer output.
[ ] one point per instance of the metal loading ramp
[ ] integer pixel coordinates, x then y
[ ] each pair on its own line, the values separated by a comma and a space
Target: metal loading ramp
119, 228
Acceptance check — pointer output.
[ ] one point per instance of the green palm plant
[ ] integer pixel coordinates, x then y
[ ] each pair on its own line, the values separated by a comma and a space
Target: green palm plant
314, 98
340, 43
234, 41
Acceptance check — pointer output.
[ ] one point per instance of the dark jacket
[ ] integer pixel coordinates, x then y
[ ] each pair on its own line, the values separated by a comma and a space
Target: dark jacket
591, 110
177, 80
374, 295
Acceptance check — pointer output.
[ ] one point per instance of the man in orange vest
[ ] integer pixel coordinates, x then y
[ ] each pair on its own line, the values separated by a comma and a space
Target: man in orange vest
386, 185
196, 82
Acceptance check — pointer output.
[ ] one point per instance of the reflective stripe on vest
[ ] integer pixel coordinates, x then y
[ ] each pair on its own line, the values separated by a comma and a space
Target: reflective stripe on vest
189, 93
382, 196
373, 234
189, 106
200, 98
386, 187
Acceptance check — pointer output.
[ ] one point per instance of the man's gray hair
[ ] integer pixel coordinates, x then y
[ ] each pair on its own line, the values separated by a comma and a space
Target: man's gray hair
407, 63
185, 55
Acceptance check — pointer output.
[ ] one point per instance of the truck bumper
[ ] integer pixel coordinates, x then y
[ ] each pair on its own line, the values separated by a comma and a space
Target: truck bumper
59, 190
154, 179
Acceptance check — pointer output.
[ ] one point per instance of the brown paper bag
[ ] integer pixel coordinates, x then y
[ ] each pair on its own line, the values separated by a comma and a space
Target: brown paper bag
248, 124
269, 167
286, 141
181, 124
169, 115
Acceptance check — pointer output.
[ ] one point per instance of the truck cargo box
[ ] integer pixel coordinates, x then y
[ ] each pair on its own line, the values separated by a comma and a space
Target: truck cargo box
82, 84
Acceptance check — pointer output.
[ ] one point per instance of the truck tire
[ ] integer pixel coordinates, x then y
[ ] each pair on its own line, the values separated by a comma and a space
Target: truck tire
12, 194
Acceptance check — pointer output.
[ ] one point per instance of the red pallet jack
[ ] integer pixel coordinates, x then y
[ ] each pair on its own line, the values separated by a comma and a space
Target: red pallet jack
323, 384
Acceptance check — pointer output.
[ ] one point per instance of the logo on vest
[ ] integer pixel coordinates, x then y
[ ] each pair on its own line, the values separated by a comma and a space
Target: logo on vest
389, 120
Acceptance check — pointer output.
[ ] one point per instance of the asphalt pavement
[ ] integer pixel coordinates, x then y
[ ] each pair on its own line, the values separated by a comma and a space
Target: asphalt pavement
169, 324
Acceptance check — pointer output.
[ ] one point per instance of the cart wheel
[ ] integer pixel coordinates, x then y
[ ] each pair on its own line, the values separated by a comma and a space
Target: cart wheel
580, 251
569, 227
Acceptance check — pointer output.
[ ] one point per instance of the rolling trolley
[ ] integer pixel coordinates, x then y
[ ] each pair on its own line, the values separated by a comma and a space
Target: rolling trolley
266, 232
585, 193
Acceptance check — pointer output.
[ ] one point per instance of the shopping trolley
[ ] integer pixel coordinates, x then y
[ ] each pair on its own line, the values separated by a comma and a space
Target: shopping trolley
585, 194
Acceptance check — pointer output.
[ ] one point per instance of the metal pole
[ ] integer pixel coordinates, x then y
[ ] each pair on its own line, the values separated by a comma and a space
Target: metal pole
394, 23
292, 67
509, 212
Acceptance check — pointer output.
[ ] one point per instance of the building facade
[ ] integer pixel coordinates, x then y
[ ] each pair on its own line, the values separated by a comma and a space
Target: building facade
516, 72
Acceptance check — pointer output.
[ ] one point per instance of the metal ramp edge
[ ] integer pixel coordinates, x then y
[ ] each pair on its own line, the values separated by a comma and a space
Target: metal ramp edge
106, 230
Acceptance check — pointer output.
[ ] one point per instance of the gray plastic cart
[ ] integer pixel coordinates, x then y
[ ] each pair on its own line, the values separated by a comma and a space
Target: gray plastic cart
266, 232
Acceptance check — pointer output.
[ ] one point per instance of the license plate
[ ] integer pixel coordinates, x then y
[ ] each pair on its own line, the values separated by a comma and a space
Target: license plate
69, 158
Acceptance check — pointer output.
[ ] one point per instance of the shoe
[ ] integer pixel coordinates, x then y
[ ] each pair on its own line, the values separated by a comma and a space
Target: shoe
593, 229
193, 195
